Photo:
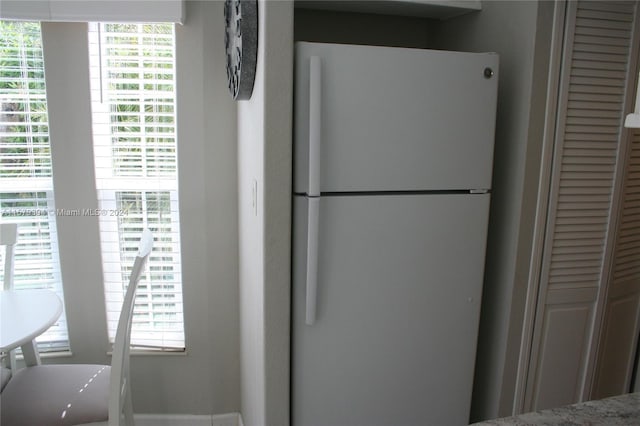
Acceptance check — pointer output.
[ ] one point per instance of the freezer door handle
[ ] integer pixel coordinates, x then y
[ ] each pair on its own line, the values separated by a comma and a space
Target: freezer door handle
313, 225
315, 123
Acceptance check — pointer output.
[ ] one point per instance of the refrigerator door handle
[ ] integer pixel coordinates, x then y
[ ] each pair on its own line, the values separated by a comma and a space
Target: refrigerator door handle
315, 122
313, 225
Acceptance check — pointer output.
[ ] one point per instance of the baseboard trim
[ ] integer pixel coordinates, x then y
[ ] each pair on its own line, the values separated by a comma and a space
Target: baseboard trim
230, 419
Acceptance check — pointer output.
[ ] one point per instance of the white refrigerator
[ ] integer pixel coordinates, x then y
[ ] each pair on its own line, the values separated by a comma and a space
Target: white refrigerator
393, 152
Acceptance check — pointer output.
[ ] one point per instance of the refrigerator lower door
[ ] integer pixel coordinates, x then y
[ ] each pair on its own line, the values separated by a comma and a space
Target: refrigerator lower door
398, 300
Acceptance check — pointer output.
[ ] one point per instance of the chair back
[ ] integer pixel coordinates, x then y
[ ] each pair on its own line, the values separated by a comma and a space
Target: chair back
8, 238
120, 392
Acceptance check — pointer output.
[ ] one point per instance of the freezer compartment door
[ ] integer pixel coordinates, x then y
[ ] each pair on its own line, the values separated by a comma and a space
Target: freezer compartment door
399, 282
391, 119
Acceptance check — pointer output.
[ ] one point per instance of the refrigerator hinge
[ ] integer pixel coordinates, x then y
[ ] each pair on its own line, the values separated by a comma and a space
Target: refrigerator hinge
479, 191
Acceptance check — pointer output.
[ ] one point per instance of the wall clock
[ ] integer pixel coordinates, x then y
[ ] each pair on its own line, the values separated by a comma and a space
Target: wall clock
241, 45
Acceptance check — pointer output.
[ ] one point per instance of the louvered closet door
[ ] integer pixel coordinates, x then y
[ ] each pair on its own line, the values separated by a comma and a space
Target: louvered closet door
617, 350
591, 108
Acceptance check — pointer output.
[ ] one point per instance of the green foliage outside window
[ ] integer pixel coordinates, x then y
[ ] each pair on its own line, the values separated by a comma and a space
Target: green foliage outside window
24, 127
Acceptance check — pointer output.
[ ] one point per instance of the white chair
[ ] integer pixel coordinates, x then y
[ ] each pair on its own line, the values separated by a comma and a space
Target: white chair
8, 238
78, 394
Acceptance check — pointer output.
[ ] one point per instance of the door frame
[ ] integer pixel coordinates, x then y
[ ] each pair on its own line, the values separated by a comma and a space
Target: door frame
542, 205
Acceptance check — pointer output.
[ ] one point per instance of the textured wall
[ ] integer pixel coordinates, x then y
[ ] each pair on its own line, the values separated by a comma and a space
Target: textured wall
264, 178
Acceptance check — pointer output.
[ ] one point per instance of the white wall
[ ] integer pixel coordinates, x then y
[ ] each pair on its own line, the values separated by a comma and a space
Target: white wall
520, 32
205, 380
264, 168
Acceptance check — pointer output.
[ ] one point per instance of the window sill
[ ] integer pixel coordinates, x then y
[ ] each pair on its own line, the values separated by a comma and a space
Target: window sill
155, 352
134, 353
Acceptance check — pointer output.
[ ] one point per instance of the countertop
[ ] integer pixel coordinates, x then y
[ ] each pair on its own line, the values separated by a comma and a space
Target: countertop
617, 410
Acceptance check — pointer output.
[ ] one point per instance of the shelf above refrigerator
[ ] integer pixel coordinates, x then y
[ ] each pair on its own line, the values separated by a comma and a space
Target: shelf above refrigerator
434, 9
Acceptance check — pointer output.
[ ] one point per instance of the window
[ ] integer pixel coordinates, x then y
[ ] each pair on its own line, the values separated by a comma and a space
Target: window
134, 122
132, 72
26, 184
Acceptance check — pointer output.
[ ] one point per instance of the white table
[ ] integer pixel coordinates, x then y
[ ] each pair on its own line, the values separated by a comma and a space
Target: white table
24, 315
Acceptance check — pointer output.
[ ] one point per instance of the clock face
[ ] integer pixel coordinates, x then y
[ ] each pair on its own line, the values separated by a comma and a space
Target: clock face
241, 45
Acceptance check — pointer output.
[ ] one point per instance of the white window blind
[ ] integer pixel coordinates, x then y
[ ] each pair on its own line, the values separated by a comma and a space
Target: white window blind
26, 185
134, 124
